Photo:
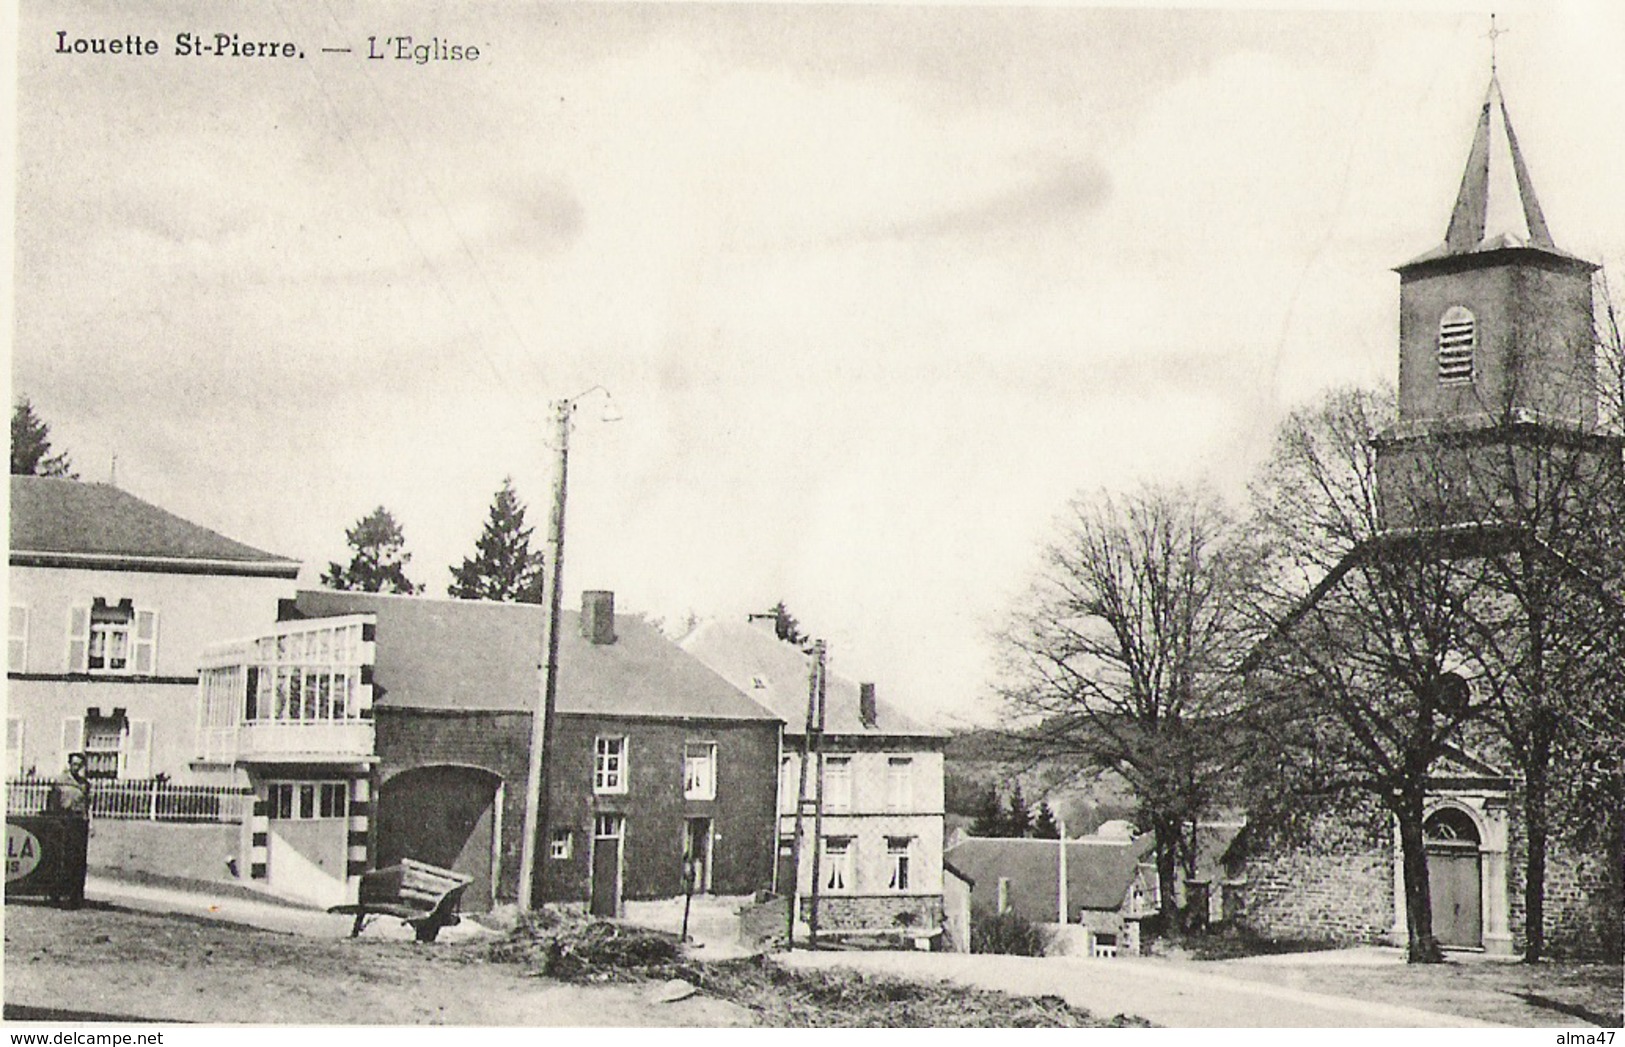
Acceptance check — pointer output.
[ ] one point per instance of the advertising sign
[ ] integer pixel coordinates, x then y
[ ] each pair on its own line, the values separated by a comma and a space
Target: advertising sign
45, 856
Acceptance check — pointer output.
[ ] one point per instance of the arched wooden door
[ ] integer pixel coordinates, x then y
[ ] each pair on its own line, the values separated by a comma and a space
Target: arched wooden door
1455, 879
447, 816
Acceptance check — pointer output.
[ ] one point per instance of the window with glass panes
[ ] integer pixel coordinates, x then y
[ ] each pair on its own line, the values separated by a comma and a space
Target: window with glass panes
837, 783
609, 765
17, 639
700, 771
897, 862
308, 674
899, 783
106, 637
306, 801
838, 855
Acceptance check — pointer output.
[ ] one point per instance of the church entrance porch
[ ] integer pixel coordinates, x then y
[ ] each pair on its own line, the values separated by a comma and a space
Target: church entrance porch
1466, 834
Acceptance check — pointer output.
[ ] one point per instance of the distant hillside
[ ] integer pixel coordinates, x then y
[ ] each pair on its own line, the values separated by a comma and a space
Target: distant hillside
976, 759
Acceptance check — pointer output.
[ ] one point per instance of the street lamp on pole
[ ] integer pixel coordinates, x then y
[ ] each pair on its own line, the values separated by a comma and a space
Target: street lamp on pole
536, 832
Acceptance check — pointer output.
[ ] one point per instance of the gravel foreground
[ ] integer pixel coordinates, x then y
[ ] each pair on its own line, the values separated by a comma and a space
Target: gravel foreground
110, 963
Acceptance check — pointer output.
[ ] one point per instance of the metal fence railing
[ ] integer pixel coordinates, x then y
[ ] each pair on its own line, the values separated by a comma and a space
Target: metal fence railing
152, 800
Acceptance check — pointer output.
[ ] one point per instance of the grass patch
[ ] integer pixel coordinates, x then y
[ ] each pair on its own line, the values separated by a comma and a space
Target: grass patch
580, 949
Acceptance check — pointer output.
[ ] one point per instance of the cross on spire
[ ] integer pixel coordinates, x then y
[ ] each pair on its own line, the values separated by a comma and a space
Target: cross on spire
1492, 35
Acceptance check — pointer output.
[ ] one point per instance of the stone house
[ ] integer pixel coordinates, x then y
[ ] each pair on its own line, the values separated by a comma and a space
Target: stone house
880, 858
655, 757
112, 601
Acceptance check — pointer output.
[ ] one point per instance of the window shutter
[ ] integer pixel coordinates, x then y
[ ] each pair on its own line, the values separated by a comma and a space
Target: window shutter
17, 639
137, 756
145, 658
73, 737
14, 746
78, 637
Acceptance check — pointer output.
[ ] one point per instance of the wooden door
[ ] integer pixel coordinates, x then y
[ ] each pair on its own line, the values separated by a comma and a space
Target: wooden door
1453, 882
608, 833
697, 851
786, 882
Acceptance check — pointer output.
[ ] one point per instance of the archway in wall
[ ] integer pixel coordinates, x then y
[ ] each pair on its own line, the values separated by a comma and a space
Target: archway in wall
1455, 878
446, 815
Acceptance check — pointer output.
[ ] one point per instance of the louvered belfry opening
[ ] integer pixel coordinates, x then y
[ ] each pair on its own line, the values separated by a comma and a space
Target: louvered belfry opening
1458, 337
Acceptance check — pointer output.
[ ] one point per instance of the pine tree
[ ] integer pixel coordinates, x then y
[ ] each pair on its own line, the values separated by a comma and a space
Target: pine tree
786, 626
1044, 826
503, 566
990, 819
1019, 822
379, 561
31, 445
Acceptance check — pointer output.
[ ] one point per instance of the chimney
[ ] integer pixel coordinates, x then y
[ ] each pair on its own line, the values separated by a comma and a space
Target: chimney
598, 616
866, 704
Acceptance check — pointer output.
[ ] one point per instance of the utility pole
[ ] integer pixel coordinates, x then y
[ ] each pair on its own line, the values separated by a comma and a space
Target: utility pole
820, 658
1061, 882
532, 867
531, 871
801, 807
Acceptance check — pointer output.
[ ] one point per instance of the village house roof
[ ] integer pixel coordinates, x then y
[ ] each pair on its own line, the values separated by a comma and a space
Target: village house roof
482, 655
775, 675
1099, 873
65, 523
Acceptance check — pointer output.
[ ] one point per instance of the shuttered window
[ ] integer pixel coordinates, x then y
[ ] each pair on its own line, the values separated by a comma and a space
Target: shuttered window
17, 639
14, 747
1458, 337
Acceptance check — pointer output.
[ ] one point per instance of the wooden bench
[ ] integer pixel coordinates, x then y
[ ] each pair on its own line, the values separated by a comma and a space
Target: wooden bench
423, 895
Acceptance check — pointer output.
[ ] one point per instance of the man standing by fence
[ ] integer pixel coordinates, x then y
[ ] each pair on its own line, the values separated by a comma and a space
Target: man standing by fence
70, 801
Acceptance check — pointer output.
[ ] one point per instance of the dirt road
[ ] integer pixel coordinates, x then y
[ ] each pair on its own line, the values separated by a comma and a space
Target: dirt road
1152, 989
130, 965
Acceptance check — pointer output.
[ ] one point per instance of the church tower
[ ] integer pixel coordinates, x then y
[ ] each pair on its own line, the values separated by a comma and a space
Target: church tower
1496, 343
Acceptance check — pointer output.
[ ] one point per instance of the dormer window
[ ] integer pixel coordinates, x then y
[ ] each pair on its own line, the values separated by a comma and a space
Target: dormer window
1458, 337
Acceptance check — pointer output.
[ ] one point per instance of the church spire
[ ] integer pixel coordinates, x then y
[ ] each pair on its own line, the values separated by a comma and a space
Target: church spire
1496, 206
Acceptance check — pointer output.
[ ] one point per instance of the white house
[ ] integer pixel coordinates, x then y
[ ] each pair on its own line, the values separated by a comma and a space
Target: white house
112, 601
880, 856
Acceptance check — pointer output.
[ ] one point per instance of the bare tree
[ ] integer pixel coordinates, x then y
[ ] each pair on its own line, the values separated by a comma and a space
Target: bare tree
1358, 688
1547, 496
1120, 657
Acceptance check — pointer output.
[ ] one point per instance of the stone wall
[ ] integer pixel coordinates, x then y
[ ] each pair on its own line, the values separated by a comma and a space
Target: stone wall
874, 912
1337, 887
1585, 906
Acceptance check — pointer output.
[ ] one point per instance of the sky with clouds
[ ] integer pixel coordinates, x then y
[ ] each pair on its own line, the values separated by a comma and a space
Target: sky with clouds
876, 289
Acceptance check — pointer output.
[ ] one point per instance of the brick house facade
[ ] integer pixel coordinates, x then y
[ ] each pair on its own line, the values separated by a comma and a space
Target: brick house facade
453, 687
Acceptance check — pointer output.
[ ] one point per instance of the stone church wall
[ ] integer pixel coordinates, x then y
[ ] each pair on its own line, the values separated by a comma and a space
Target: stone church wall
1337, 886
1585, 906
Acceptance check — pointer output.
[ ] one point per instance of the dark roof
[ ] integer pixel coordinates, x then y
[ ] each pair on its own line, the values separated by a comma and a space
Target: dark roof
1099, 873
484, 655
775, 674
66, 523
